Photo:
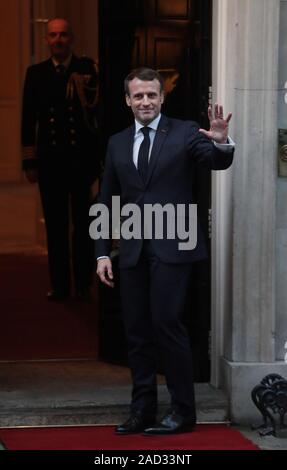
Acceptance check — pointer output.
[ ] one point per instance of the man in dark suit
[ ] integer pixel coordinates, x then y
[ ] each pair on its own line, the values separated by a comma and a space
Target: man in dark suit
59, 137
152, 162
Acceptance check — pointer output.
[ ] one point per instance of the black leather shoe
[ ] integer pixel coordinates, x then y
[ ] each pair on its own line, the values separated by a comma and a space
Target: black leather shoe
135, 423
171, 423
57, 296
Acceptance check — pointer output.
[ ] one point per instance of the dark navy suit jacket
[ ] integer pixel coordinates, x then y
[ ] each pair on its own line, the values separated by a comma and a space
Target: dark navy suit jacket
178, 147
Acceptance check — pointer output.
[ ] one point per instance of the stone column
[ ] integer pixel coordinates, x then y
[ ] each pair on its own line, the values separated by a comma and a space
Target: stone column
281, 214
245, 79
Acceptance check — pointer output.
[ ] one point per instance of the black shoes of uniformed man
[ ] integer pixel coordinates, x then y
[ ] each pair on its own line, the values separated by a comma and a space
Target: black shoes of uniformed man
171, 423
81, 295
57, 296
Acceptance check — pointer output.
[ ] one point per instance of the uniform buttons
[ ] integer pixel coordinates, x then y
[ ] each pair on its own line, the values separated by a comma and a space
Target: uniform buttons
52, 120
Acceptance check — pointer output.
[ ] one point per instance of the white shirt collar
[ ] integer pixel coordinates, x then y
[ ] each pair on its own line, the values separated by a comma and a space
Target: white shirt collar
66, 62
153, 124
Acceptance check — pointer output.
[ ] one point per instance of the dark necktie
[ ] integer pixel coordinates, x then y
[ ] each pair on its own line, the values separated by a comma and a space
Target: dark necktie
144, 154
60, 69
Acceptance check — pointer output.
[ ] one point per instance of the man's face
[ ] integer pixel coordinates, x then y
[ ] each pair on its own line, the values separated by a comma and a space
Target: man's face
145, 99
59, 39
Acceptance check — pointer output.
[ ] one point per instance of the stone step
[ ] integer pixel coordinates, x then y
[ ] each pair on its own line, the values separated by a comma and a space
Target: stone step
84, 392
110, 406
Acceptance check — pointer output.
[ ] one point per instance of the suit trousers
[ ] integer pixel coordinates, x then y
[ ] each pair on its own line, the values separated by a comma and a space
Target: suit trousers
65, 196
153, 296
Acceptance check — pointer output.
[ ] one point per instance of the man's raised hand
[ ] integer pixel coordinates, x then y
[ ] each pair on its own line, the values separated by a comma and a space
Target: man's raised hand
218, 125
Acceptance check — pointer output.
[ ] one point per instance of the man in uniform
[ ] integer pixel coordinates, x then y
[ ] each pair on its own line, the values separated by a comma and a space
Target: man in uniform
59, 137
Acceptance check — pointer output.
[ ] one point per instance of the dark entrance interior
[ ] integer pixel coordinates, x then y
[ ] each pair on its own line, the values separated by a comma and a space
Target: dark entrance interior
173, 37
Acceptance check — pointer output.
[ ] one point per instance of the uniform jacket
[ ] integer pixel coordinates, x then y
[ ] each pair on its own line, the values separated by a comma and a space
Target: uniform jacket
56, 125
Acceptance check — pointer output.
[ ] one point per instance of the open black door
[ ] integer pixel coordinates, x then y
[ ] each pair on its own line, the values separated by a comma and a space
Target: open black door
174, 38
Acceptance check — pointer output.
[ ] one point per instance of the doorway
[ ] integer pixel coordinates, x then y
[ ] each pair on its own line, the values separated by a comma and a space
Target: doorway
174, 38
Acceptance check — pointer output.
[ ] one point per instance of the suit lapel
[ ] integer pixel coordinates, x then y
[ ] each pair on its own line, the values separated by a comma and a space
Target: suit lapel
160, 136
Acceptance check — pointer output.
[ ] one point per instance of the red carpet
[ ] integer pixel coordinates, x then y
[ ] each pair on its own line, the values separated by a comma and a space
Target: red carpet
32, 327
204, 437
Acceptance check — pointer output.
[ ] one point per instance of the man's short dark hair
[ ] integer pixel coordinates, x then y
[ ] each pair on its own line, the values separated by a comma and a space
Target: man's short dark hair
145, 74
